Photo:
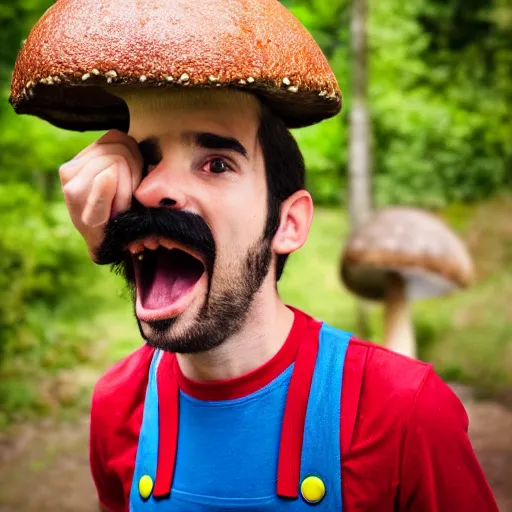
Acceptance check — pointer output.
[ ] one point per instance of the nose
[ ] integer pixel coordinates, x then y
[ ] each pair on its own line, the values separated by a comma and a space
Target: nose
160, 188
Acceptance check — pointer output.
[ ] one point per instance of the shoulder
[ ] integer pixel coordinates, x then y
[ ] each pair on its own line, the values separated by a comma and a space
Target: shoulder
126, 376
116, 417
405, 383
382, 392
396, 382
388, 394
389, 373
122, 388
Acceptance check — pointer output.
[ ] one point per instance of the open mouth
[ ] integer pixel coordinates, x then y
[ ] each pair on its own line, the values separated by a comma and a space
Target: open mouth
166, 274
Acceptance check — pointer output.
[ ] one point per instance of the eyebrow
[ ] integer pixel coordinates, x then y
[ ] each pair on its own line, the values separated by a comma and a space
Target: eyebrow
209, 140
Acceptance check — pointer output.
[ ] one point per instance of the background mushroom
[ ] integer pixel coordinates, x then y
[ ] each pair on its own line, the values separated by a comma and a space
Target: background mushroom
79, 47
402, 254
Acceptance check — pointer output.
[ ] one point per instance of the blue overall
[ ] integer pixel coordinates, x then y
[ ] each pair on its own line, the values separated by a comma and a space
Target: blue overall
227, 451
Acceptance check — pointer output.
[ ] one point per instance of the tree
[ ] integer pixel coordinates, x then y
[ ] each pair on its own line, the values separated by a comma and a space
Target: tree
359, 165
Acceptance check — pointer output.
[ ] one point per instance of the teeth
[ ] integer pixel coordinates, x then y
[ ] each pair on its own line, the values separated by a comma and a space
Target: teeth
136, 248
151, 243
166, 243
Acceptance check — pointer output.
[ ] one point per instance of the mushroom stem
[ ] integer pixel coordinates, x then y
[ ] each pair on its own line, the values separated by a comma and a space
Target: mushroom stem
398, 328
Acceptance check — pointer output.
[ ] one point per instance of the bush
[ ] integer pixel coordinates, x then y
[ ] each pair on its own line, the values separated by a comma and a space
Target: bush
45, 288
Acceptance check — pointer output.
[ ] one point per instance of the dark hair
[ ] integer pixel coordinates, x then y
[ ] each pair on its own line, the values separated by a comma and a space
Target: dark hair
285, 171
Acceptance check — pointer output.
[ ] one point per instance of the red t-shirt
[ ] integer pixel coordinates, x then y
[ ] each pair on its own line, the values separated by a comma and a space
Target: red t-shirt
404, 438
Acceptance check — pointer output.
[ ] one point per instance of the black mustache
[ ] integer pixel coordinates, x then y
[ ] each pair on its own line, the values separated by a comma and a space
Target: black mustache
184, 227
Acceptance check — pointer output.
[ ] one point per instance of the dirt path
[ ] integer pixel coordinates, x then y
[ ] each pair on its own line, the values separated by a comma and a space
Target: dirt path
45, 468
491, 434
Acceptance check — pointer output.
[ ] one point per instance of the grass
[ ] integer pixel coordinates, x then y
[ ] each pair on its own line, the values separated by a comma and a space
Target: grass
467, 336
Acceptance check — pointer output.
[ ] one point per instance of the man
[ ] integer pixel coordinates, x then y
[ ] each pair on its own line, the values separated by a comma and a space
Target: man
235, 400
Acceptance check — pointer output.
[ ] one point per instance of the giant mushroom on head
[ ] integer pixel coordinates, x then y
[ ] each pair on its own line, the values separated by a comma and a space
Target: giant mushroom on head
81, 53
399, 255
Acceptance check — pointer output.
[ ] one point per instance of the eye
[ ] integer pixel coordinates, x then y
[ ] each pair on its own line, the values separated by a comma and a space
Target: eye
217, 166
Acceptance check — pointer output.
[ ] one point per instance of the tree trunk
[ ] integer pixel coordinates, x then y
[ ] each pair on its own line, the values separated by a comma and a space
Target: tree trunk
359, 182
359, 171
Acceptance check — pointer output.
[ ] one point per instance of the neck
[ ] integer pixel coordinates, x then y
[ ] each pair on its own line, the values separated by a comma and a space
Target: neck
264, 332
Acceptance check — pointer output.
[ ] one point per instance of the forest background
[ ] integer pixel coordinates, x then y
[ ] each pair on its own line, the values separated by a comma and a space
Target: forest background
440, 99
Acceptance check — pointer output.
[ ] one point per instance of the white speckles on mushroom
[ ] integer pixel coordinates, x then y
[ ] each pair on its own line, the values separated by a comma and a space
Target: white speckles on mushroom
95, 72
184, 78
30, 84
218, 85
86, 76
250, 80
143, 78
44, 81
169, 78
31, 92
322, 94
242, 81
293, 88
212, 78
109, 80
111, 74
50, 80
56, 80
286, 81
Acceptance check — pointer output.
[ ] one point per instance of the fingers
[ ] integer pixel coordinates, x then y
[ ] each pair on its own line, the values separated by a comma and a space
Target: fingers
112, 136
94, 185
124, 191
77, 189
99, 201
77, 166
99, 183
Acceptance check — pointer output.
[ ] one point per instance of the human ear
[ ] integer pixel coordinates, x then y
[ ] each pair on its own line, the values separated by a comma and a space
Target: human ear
295, 220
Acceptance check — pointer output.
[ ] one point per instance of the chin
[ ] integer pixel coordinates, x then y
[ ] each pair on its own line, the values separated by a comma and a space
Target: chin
179, 332
179, 335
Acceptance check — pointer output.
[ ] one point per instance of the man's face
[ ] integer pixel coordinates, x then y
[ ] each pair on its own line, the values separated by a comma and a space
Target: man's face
204, 158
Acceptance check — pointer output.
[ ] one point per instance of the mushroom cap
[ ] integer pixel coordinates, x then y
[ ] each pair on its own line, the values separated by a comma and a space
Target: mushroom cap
80, 46
412, 243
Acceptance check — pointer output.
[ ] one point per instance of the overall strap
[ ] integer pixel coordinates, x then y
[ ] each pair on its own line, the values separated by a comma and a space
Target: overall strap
321, 453
147, 452
292, 431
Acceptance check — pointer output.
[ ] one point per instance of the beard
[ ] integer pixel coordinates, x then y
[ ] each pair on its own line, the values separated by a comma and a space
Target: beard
223, 312
230, 290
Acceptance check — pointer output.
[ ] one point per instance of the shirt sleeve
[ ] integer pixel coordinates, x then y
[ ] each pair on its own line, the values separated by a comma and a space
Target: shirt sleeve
109, 487
440, 471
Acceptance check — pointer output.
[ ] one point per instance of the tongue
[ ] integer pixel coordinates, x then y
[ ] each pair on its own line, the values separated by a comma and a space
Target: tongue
175, 274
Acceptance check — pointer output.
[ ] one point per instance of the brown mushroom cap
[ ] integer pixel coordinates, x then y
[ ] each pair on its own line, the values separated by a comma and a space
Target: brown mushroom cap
79, 46
412, 243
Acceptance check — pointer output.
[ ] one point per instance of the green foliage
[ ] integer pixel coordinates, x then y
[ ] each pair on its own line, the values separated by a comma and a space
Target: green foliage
45, 290
440, 90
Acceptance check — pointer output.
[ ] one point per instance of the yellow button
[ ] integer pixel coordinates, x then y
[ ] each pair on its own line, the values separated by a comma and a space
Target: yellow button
145, 487
312, 489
